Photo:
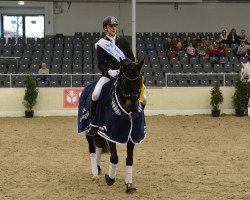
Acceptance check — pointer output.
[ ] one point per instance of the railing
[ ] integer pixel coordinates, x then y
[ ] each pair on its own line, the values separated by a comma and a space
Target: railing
200, 74
13, 77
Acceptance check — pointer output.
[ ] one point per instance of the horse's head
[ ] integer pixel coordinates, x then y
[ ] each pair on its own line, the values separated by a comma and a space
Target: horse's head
129, 84
245, 71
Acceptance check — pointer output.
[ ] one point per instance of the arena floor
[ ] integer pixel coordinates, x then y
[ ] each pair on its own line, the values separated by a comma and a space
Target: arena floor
183, 157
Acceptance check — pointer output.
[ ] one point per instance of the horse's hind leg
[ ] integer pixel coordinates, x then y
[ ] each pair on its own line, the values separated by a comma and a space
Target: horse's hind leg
110, 177
101, 148
129, 170
92, 153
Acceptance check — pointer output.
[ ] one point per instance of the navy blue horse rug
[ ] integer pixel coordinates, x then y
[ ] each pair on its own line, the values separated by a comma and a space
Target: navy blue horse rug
112, 120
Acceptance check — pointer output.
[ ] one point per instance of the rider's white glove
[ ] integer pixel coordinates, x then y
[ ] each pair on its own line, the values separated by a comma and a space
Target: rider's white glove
113, 73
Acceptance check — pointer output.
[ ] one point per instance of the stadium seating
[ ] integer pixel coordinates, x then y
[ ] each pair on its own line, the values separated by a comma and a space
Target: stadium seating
72, 61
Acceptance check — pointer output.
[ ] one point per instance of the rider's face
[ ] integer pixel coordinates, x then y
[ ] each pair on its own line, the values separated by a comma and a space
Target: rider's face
112, 29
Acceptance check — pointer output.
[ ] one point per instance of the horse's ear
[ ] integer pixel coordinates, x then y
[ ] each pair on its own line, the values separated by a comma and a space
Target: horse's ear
141, 64
122, 62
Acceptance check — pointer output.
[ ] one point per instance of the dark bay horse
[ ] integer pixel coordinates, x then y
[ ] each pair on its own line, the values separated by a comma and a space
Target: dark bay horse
119, 119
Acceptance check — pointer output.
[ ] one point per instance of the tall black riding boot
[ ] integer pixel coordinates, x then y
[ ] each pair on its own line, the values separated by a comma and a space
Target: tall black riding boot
91, 130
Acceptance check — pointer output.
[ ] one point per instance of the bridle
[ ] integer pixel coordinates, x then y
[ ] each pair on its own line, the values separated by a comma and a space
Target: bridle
121, 85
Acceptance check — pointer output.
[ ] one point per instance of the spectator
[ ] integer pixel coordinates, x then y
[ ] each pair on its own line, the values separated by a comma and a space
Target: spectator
221, 51
187, 41
232, 37
244, 37
44, 71
167, 44
190, 50
207, 41
178, 45
210, 51
223, 36
242, 51
197, 41
201, 50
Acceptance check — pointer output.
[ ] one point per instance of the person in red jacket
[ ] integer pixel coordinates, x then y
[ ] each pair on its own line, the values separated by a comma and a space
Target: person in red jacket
221, 50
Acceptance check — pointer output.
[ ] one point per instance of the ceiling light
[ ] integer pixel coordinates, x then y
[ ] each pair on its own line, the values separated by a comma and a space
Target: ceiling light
20, 3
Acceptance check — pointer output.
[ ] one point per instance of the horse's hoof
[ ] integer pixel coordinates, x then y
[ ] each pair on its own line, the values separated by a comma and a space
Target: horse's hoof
130, 189
95, 179
109, 181
99, 170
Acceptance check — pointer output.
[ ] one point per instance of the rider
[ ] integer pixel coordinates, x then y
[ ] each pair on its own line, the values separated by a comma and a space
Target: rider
107, 63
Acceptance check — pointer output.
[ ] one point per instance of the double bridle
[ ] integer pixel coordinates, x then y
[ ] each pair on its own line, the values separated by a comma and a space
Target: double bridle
122, 85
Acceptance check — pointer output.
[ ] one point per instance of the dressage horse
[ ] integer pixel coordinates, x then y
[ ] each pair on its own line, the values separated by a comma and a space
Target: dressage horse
119, 117
245, 74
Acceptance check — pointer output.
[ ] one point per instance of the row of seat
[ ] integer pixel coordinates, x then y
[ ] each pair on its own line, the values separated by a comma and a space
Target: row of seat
92, 36
176, 34
194, 60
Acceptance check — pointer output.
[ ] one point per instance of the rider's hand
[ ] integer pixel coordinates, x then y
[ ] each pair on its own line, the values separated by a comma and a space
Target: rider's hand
113, 73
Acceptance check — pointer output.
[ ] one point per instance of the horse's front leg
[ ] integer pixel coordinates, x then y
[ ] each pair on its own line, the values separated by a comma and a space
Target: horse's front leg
129, 170
92, 152
110, 177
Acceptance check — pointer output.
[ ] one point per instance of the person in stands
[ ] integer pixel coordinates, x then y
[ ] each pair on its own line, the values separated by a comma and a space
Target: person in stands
43, 73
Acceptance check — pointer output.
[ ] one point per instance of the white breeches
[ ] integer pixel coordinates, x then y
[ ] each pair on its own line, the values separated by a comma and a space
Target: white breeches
97, 91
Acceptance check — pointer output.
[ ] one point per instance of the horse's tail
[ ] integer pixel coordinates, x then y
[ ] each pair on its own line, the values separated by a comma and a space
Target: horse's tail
105, 145
105, 148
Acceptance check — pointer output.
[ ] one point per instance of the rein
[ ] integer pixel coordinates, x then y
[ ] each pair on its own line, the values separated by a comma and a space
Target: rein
122, 90
119, 88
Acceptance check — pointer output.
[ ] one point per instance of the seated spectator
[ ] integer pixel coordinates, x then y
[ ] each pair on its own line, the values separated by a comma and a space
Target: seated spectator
232, 37
167, 44
197, 41
210, 51
178, 45
223, 36
244, 37
44, 71
207, 41
190, 50
242, 50
201, 50
221, 51
187, 41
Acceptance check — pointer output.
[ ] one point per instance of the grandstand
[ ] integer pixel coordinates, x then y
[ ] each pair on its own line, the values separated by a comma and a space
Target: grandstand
67, 46
72, 62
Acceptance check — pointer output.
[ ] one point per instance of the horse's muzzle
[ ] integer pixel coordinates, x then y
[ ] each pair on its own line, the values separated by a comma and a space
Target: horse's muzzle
132, 106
